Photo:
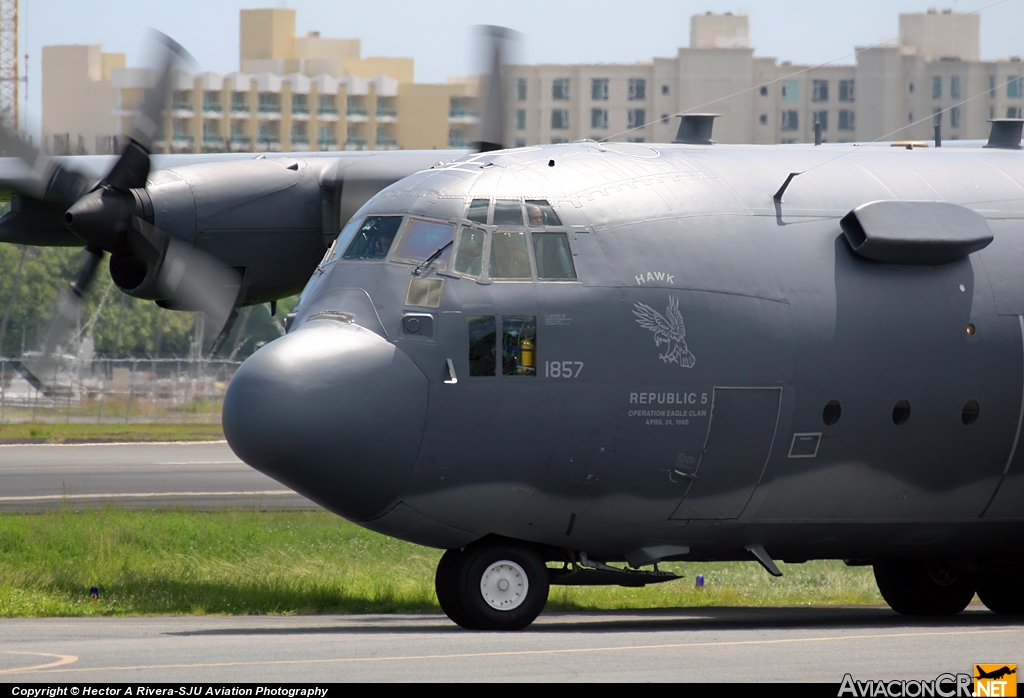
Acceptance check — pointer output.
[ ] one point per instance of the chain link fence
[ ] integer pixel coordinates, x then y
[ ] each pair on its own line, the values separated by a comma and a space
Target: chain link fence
117, 390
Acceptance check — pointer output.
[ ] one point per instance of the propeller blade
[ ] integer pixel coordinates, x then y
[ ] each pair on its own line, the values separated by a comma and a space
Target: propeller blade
190, 279
47, 178
39, 370
132, 168
495, 49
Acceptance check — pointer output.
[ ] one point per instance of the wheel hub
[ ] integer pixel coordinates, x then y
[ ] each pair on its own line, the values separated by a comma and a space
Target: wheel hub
504, 585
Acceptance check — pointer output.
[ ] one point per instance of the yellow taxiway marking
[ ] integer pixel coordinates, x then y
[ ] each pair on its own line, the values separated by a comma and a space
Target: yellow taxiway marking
527, 653
62, 659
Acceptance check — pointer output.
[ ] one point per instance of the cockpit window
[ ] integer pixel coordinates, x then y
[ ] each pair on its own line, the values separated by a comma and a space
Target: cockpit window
539, 212
478, 210
422, 239
554, 259
470, 256
509, 256
374, 238
508, 212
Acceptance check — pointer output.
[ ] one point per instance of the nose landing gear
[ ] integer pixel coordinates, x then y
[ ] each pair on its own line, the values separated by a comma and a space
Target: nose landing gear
492, 586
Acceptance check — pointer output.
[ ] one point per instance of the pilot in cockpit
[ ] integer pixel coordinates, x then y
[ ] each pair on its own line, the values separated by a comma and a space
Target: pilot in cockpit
535, 214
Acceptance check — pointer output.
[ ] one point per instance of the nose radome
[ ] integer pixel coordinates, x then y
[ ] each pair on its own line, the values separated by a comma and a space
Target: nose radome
333, 411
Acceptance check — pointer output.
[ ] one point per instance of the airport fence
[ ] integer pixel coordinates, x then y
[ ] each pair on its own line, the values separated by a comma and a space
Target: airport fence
117, 390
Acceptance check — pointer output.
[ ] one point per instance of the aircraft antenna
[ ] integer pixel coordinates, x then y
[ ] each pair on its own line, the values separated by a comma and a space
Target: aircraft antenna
9, 77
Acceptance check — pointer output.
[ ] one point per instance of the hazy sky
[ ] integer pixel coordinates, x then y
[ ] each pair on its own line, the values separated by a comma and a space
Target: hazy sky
438, 35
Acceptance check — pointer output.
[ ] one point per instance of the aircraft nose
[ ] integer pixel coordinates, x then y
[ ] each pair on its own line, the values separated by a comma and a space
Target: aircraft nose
333, 411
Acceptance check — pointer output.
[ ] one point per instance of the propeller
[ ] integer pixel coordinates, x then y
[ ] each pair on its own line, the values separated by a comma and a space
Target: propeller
115, 216
495, 45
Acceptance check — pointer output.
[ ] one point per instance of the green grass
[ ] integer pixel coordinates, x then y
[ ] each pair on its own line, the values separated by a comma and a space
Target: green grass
58, 432
240, 562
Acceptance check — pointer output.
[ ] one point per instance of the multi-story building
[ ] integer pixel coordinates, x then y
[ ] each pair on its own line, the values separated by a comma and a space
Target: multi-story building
314, 93
290, 94
934, 73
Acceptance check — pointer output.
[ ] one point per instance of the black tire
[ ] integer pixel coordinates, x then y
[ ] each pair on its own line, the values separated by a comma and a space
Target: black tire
924, 587
446, 586
492, 586
1002, 590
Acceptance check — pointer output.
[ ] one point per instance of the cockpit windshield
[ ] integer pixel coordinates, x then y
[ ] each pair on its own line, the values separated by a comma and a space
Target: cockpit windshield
374, 237
421, 239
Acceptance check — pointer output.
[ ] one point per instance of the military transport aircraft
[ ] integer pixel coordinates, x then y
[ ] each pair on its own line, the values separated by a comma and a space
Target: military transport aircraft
554, 360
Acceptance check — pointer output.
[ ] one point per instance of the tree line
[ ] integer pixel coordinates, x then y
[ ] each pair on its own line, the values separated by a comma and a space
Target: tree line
34, 280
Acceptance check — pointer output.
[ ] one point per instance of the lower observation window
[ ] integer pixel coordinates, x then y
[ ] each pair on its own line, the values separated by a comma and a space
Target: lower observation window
482, 359
519, 345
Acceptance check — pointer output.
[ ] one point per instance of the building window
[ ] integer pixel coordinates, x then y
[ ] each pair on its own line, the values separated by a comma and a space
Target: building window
911, 88
635, 118
790, 122
599, 89
763, 91
819, 91
599, 118
299, 132
520, 119
560, 89
299, 104
559, 119
763, 119
325, 104
954, 117
270, 102
954, 87
268, 132
790, 91
845, 119
238, 102
457, 138
1013, 112
822, 118
936, 88
664, 89
1014, 87
325, 135
557, 141
211, 100
637, 89
846, 90
181, 100
992, 85
520, 142
521, 89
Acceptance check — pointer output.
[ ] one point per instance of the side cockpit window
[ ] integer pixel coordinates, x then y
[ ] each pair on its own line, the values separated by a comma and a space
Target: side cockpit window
423, 239
373, 238
554, 259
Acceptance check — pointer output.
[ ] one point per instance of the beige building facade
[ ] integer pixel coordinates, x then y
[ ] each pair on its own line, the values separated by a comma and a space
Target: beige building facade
295, 93
291, 94
933, 73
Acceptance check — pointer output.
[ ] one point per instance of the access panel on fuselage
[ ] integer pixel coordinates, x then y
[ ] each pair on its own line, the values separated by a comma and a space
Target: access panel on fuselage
739, 441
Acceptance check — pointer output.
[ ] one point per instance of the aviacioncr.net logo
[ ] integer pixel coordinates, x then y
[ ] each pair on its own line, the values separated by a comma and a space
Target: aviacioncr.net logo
942, 686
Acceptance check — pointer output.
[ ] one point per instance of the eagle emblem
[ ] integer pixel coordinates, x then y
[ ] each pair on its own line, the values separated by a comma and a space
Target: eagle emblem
668, 331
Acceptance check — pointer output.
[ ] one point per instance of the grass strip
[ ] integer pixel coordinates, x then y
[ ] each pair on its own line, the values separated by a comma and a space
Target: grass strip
247, 562
62, 432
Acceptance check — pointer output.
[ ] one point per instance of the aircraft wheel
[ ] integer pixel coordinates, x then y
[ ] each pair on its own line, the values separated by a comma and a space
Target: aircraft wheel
492, 587
924, 587
1000, 590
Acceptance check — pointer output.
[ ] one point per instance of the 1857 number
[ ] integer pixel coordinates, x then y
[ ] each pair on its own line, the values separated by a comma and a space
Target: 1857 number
562, 369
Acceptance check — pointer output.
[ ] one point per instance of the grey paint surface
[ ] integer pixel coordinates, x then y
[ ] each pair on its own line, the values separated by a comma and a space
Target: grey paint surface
205, 475
773, 298
720, 645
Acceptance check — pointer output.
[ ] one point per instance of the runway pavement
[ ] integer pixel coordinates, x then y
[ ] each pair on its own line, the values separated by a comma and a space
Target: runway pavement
199, 475
721, 644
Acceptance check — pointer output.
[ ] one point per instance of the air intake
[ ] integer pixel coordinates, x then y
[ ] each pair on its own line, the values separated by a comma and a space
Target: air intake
1005, 133
695, 129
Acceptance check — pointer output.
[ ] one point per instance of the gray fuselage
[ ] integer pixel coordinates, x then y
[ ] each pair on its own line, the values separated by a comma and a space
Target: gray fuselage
679, 385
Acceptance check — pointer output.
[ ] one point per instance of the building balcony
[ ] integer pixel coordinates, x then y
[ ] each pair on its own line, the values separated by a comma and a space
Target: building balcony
212, 107
355, 144
458, 144
356, 114
212, 139
240, 110
300, 116
327, 114
268, 146
269, 114
300, 109
300, 144
387, 144
463, 116
387, 115
239, 144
